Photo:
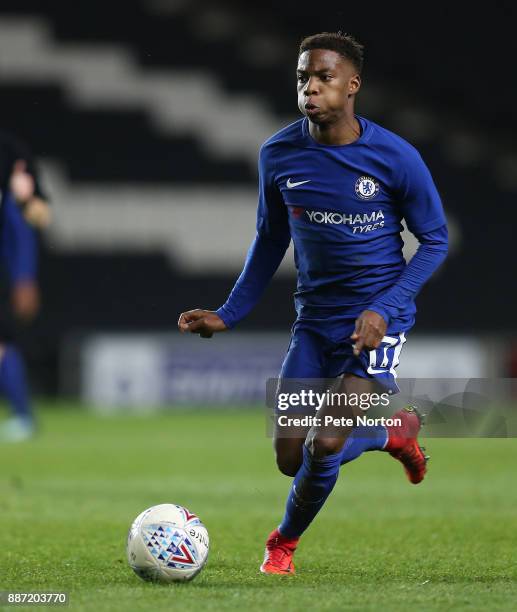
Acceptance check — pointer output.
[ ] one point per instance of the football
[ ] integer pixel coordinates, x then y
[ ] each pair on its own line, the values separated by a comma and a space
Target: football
167, 543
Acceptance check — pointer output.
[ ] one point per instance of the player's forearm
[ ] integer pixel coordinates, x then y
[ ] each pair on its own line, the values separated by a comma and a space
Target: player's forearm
21, 267
21, 260
263, 259
431, 253
19, 251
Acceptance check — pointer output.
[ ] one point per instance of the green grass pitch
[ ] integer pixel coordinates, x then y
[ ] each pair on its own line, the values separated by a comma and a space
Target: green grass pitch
68, 497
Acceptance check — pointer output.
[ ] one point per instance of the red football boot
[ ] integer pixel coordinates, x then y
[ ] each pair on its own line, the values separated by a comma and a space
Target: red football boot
278, 558
403, 443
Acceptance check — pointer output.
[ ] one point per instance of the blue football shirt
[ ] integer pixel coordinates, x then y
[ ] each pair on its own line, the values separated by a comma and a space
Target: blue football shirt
342, 205
18, 243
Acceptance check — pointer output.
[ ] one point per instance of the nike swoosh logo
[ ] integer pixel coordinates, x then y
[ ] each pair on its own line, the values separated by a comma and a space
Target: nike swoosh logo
290, 184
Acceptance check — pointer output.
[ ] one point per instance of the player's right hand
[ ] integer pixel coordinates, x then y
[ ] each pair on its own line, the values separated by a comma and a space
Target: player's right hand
202, 322
25, 300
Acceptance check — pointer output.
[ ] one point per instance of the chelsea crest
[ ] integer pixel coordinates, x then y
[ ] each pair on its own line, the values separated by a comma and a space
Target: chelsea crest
366, 187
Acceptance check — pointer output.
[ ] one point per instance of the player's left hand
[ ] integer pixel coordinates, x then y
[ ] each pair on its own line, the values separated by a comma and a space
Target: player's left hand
370, 329
37, 213
25, 300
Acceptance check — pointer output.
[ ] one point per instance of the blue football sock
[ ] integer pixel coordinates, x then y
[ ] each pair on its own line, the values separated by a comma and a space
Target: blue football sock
311, 487
13, 383
363, 438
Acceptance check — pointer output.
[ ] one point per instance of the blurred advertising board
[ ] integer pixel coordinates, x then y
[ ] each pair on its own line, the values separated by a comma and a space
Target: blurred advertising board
149, 370
154, 370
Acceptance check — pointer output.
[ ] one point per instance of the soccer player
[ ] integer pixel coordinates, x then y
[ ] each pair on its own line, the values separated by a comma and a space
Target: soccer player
339, 186
22, 206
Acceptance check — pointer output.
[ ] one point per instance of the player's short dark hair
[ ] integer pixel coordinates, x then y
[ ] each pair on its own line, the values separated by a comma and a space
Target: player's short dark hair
344, 44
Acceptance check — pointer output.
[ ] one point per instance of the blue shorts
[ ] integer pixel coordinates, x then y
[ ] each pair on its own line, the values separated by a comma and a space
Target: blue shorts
321, 348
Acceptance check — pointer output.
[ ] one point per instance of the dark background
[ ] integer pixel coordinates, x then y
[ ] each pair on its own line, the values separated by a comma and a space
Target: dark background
449, 63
